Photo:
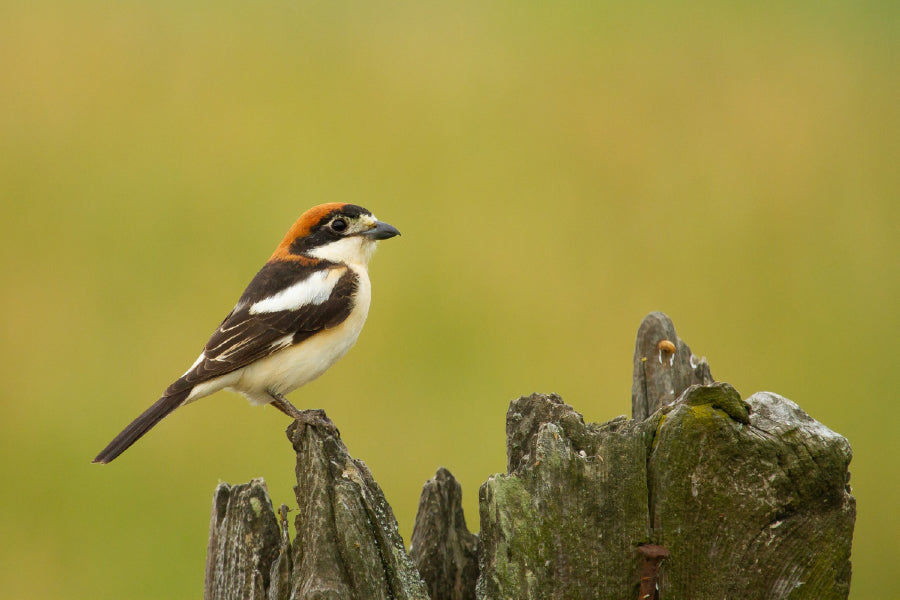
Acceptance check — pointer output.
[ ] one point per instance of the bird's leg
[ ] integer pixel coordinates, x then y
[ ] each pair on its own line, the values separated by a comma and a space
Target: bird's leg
316, 417
282, 404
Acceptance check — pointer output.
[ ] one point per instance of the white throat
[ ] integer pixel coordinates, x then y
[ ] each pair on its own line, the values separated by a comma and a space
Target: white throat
353, 250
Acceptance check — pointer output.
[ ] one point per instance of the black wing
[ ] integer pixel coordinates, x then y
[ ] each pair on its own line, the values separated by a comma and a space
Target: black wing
244, 337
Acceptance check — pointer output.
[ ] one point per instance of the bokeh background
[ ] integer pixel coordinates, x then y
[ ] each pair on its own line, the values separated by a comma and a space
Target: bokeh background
558, 171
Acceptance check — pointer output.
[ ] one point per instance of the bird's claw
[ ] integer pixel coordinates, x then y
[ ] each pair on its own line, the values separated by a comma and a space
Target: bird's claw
316, 417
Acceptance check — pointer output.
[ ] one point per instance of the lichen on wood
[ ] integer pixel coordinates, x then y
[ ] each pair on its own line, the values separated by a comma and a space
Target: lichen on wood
702, 495
346, 547
566, 520
748, 499
243, 542
347, 543
765, 505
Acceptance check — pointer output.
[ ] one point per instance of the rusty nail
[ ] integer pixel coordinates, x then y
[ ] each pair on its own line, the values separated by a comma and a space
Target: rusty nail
653, 555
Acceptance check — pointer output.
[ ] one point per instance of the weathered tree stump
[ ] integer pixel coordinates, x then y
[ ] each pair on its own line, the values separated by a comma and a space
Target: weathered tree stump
347, 545
751, 506
244, 542
664, 366
701, 495
444, 551
755, 510
566, 519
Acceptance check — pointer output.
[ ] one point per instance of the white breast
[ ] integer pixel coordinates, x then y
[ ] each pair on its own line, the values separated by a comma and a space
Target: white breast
288, 369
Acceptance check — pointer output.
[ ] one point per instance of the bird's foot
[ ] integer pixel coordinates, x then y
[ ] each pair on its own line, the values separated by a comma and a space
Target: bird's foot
282, 404
315, 417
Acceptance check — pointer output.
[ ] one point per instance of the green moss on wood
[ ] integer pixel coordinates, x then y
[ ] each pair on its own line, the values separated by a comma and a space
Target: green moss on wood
750, 498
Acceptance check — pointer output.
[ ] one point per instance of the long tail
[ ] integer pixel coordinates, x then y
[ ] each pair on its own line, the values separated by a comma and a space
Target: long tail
141, 425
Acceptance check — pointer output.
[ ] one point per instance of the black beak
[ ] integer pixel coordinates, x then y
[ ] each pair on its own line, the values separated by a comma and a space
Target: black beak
382, 231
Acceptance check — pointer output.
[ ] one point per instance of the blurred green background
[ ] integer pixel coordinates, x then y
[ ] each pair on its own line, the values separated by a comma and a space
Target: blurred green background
558, 170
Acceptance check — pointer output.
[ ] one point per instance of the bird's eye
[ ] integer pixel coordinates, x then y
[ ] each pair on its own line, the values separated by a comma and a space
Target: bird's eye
339, 225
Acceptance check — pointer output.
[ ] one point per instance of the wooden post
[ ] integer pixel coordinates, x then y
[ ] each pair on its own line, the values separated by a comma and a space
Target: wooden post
244, 542
347, 544
703, 496
664, 366
444, 551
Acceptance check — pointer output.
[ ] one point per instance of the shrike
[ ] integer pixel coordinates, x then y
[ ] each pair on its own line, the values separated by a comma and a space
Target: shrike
301, 313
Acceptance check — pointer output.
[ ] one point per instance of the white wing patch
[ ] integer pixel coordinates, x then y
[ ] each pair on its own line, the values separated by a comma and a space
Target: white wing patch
315, 289
284, 342
196, 362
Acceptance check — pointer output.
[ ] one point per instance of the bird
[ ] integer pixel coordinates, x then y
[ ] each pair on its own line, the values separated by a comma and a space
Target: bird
303, 311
